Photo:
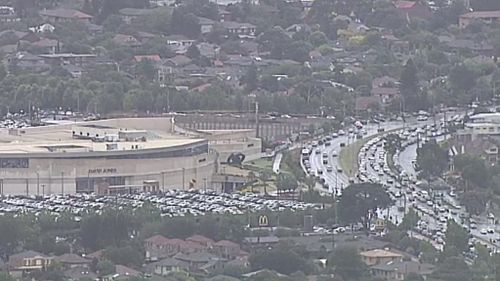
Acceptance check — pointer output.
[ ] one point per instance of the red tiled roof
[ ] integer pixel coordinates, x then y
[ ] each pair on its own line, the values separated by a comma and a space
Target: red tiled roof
482, 14
177, 242
404, 4
155, 58
157, 239
44, 43
200, 238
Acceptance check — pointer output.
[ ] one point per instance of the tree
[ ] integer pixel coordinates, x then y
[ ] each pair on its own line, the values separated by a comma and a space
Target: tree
105, 267
347, 263
432, 160
359, 203
318, 38
251, 79
193, 53
462, 79
392, 143
286, 181
474, 202
409, 85
412, 276
146, 69
456, 236
453, 269
184, 23
127, 256
282, 260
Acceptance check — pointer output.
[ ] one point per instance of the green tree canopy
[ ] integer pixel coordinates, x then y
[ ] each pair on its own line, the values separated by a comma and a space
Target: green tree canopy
432, 160
360, 201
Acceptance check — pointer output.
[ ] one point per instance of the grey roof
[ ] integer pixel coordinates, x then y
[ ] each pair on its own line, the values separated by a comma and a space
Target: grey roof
196, 257
77, 273
170, 262
27, 254
71, 258
406, 267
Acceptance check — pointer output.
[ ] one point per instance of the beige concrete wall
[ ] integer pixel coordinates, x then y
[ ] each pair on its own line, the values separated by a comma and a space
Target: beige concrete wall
251, 152
169, 171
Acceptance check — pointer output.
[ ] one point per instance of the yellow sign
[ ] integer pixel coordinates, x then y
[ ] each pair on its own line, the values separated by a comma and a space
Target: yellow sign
263, 220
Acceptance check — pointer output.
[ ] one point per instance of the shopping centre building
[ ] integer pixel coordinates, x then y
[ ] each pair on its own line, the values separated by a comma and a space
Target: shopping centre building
116, 155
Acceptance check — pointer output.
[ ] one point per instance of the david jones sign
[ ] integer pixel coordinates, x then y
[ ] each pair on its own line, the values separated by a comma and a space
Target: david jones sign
102, 171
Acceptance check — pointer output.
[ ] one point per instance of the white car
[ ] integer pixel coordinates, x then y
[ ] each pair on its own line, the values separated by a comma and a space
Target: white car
341, 133
483, 231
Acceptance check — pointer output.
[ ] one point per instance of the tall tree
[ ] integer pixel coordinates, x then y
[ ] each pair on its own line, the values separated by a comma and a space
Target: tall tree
409, 85
453, 269
432, 160
359, 203
347, 263
456, 236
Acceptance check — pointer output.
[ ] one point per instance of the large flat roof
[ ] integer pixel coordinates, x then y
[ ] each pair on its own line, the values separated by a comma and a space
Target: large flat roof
59, 138
89, 146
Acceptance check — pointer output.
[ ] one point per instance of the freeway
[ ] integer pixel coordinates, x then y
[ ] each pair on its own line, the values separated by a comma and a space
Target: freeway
331, 172
402, 185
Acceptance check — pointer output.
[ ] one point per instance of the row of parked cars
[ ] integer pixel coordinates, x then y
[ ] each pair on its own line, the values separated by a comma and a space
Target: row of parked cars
171, 203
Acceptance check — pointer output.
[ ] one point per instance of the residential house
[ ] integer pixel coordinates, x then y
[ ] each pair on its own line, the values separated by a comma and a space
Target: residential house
8, 14
79, 273
43, 28
485, 147
208, 50
225, 15
178, 61
144, 36
386, 88
399, 270
64, 15
179, 41
130, 14
486, 16
28, 261
226, 249
93, 29
151, 58
126, 40
157, 247
237, 28
412, 9
206, 25
72, 260
122, 273
69, 58
200, 261
200, 239
264, 242
167, 265
26, 61
47, 46
380, 256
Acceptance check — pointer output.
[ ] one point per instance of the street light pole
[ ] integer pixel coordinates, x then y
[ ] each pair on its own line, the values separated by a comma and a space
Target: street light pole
37, 183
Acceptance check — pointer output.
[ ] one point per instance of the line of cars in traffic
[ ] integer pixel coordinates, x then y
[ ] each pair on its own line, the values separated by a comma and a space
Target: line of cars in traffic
171, 203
